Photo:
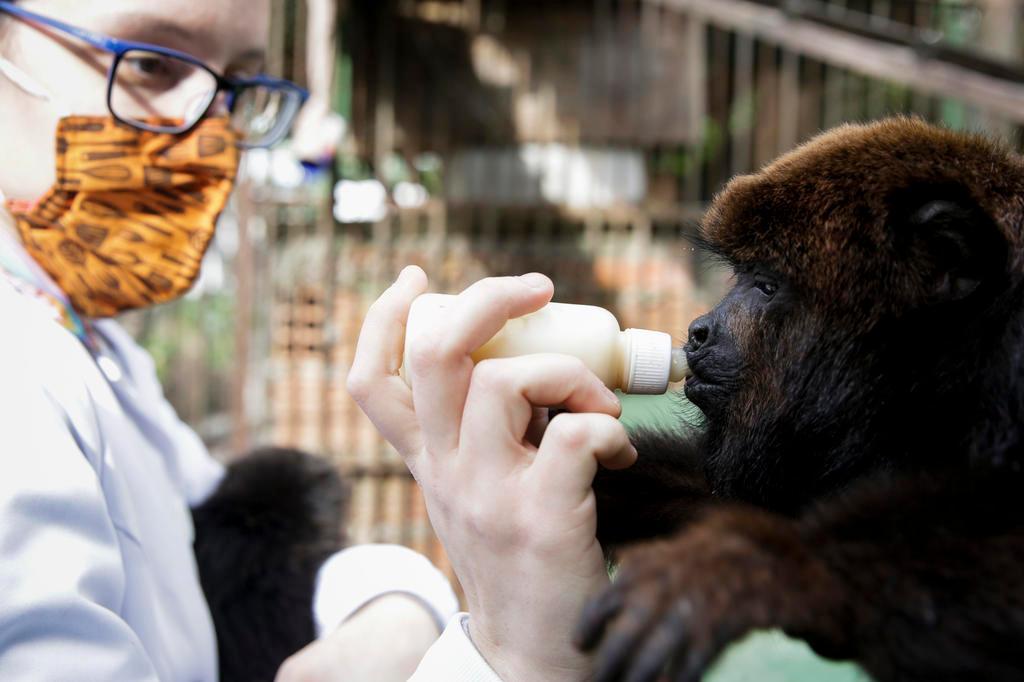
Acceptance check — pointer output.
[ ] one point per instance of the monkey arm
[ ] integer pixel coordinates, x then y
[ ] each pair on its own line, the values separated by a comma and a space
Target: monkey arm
260, 539
932, 574
656, 496
911, 578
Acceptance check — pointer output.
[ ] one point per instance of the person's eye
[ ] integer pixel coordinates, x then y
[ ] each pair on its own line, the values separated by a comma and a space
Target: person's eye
153, 70
149, 66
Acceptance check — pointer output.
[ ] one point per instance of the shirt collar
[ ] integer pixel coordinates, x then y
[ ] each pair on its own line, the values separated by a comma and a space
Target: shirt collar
29, 279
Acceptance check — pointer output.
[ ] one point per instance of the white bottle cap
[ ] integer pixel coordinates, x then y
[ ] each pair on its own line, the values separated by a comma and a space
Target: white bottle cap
648, 361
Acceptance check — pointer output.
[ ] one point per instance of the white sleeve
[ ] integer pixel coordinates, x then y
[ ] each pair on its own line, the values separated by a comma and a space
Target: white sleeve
355, 576
61, 576
454, 658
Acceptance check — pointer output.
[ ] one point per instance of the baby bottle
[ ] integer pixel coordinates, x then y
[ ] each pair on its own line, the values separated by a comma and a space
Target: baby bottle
631, 360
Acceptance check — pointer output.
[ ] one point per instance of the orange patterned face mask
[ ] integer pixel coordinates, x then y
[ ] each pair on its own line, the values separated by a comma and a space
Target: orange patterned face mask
132, 212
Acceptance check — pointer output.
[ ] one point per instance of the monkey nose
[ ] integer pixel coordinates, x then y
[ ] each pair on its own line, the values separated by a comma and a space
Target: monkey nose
698, 334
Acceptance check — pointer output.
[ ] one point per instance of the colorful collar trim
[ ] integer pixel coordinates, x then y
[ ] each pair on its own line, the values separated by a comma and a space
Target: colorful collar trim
28, 279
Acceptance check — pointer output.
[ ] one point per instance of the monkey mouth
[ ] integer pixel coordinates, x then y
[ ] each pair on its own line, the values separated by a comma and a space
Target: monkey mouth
697, 387
704, 391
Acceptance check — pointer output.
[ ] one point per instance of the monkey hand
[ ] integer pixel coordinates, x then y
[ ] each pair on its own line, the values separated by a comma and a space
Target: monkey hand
675, 604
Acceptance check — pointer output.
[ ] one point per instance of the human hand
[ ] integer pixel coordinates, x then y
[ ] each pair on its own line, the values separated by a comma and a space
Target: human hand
384, 642
509, 495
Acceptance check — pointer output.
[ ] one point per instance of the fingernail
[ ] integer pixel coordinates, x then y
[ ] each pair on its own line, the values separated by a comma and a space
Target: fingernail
611, 396
403, 273
535, 280
636, 455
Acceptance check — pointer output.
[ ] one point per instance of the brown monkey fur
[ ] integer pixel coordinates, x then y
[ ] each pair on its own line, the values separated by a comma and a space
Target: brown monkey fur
819, 214
858, 481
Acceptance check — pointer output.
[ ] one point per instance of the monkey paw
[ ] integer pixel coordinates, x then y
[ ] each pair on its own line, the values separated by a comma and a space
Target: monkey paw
676, 604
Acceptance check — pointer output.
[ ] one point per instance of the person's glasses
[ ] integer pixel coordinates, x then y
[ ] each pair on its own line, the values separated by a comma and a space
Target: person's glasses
163, 90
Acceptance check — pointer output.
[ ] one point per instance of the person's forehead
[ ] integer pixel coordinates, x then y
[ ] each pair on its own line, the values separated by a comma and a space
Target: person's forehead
217, 30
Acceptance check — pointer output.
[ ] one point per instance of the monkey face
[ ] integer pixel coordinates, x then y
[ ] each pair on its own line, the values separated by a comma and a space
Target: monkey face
722, 343
871, 266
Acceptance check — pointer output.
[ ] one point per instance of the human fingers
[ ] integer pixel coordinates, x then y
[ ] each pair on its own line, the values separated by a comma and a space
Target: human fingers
573, 446
373, 379
503, 394
439, 356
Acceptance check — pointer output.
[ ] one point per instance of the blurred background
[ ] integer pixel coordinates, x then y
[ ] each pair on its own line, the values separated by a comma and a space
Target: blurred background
580, 138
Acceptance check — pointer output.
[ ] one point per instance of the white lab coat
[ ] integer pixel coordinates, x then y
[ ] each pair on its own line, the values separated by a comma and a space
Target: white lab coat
97, 576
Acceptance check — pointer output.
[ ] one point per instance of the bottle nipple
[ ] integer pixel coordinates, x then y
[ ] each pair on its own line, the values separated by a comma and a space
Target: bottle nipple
679, 369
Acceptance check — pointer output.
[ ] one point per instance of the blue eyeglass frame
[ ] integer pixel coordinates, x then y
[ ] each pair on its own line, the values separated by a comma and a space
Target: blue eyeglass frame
231, 86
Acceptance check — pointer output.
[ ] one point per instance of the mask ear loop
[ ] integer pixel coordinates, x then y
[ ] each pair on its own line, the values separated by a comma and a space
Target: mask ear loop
30, 87
24, 81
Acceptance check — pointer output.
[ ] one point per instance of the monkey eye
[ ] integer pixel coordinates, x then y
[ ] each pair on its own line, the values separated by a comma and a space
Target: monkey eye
765, 287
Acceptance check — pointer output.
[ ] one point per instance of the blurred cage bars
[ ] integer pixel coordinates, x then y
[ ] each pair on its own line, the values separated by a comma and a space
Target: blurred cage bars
681, 94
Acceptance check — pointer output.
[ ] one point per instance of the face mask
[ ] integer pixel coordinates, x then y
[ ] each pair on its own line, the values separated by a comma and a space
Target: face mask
132, 212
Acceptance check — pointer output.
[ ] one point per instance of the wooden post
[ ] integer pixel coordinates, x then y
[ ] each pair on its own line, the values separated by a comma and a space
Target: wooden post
789, 100
696, 81
384, 106
863, 55
243, 322
1000, 37
743, 77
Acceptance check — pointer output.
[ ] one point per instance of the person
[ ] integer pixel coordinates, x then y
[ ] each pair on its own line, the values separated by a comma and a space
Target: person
508, 492
146, 102
122, 122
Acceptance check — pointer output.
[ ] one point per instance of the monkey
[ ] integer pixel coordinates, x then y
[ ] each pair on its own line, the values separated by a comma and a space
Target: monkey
260, 539
857, 481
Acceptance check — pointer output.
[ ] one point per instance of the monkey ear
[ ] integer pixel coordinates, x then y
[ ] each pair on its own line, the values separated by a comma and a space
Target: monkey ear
957, 246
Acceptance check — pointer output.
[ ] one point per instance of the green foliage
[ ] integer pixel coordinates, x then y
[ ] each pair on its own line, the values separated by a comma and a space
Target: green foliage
659, 411
682, 161
773, 657
192, 341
